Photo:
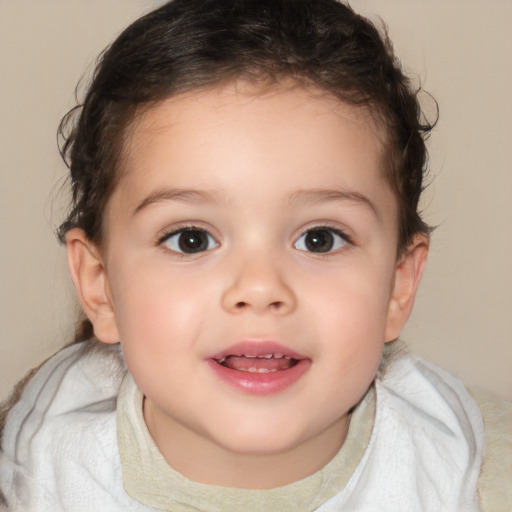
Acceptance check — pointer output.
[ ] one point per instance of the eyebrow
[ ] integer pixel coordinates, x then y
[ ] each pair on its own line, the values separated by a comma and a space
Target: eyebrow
176, 194
320, 195
300, 197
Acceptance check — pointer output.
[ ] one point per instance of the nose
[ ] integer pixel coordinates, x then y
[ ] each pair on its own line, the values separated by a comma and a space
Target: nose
258, 284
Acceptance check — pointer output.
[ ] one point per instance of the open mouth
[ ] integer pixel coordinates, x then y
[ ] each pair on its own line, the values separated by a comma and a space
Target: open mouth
262, 363
259, 368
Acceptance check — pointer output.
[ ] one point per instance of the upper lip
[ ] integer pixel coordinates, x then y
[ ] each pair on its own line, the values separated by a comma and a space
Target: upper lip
259, 349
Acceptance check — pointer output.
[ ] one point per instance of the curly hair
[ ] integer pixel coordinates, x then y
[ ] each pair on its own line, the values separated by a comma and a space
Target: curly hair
189, 44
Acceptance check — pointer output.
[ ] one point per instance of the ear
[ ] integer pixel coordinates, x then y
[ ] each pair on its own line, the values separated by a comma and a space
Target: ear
408, 272
90, 278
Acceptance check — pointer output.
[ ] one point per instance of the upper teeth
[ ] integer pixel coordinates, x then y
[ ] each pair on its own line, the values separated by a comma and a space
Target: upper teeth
262, 356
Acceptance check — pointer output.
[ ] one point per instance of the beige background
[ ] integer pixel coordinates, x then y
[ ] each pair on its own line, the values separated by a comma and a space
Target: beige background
461, 52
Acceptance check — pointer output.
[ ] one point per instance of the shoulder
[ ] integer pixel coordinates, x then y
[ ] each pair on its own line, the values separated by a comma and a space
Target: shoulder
427, 391
495, 477
431, 427
63, 418
431, 392
78, 377
494, 485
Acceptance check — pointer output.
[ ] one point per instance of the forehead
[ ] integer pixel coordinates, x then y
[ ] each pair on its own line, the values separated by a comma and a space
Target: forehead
242, 110
237, 136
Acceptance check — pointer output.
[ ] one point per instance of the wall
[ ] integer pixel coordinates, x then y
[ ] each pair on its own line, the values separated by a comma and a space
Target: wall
459, 49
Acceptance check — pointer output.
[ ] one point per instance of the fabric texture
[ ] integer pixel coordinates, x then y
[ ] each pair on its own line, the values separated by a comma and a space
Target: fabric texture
495, 483
149, 479
60, 448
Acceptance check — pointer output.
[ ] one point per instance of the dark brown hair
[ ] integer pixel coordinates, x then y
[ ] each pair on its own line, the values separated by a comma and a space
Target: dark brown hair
188, 44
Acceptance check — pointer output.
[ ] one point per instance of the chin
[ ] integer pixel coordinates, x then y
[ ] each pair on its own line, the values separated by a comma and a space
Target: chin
261, 442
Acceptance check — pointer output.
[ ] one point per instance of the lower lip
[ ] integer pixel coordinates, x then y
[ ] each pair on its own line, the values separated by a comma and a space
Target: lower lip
254, 383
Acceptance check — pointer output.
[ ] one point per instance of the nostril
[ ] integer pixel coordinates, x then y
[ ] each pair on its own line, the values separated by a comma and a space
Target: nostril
273, 306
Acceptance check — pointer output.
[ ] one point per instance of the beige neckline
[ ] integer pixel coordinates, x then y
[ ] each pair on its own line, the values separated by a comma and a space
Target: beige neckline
149, 479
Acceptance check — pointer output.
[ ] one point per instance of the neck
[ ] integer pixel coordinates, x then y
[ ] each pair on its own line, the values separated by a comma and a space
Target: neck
200, 459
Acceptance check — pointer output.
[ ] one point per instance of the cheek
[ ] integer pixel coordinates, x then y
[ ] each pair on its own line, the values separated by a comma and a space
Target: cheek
351, 295
159, 324
351, 312
155, 307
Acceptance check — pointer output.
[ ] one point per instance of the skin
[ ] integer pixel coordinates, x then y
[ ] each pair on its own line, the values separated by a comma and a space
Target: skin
260, 170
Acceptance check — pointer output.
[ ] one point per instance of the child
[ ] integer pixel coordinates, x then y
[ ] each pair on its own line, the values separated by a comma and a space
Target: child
245, 241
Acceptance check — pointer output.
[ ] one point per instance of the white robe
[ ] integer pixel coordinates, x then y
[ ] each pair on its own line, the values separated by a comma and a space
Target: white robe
60, 450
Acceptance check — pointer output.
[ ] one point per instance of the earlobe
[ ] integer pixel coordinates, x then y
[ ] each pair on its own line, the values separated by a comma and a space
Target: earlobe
408, 272
90, 278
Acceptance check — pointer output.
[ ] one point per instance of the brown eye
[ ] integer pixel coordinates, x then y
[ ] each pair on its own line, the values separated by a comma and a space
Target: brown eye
190, 241
321, 240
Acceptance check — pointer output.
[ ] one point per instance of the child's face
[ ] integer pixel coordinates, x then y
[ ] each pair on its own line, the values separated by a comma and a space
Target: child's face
252, 225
